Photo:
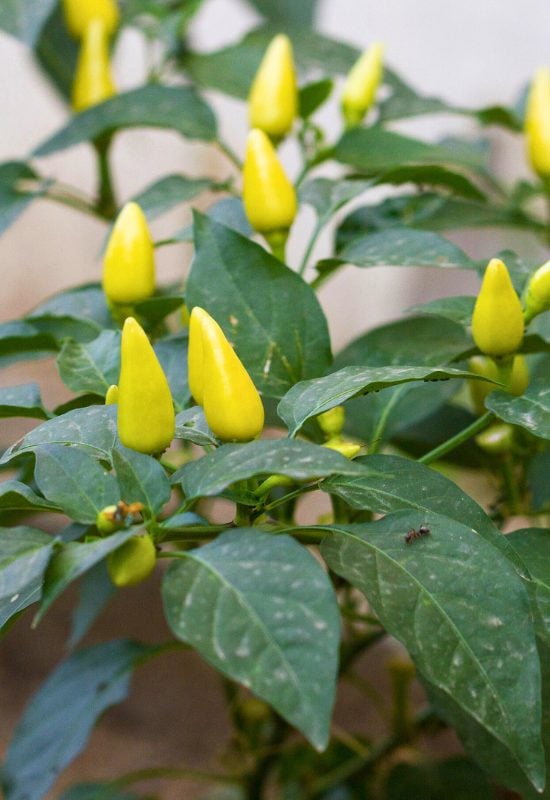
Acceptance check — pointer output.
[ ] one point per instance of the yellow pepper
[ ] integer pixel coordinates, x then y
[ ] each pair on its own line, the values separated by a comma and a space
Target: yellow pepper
231, 403
93, 81
537, 123
486, 367
268, 195
332, 421
361, 85
133, 562
497, 322
146, 420
111, 397
273, 99
79, 14
537, 295
346, 449
129, 263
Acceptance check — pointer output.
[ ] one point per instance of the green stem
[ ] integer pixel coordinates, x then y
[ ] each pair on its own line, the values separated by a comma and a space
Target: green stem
382, 422
311, 244
106, 201
451, 444
62, 196
173, 773
189, 533
511, 485
230, 154
290, 496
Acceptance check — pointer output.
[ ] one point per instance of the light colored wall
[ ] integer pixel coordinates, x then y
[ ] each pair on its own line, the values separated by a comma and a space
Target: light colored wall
473, 52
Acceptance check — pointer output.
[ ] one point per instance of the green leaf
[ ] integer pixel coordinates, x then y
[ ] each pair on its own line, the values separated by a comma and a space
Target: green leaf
191, 426
217, 470
229, 211
178, 108
172, 354
267, 311
60, 716
422, 340
19, 186
312, 96
530, 411
456, 309
457, 778
420, 435
56, 53
80, 313
156, 308
533, 547
101, 791
72, 561
261, 610
24, 18
22, 341
310, 398
96, 589
74, 481
165, 193
24, 556
399, 247
93, 428
328, 196
141, 479
479, 650
91, 367
17, 496
392, 483
287, 13
537, 475
22, 401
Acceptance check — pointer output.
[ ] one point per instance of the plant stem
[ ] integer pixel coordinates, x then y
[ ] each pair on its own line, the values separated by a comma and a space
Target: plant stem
511, 485
311, 244
455, 441
173, 773
59, 194
106, 201
230, 154
381, 425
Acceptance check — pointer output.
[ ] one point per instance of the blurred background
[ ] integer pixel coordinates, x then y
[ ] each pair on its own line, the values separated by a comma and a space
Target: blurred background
471, 53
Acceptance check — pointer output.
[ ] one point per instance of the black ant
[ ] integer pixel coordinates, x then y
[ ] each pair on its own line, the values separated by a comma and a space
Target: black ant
416, 534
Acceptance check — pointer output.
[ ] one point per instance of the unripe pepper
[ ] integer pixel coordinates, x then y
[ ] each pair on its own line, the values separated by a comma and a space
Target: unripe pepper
268, 195
106, 521
537, 123
111, 397
129, 263
231, 403
133, 562
146, 420
537, 295
361, 84
497, 439
93, 81
497, 321
332, 421
486, 368
273, 99
79, 14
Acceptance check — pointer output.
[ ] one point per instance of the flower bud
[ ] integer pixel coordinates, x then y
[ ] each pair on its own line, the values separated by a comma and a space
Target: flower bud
146, 420
80, 13
268, 195
497, 439
93, 81
133, 561
129, 263
497, 321
231, 403
537, 296
273, 99
537, 123
486, 368
361, 84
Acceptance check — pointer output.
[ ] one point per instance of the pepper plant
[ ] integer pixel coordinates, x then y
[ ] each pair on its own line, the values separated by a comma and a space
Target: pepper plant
173, 387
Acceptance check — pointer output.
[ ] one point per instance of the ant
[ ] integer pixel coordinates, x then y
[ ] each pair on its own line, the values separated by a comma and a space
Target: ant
416, 534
